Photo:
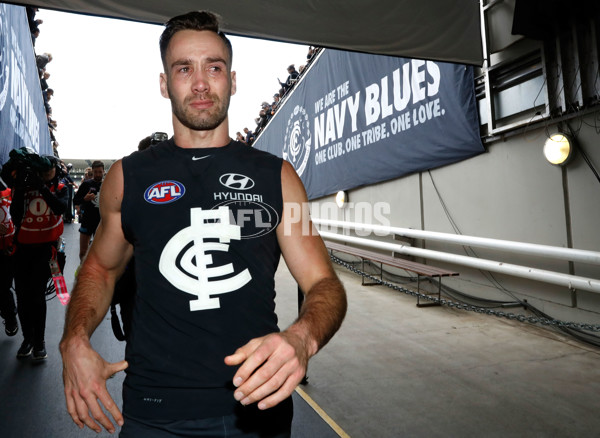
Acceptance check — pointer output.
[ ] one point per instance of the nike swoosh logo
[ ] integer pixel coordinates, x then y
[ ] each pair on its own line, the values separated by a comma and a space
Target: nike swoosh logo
200, 158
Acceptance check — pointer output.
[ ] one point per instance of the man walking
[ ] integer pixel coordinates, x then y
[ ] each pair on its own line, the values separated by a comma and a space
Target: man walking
205, 356
87, 198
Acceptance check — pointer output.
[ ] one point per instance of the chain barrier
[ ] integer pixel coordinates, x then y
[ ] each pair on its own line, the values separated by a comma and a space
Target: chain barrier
469, 307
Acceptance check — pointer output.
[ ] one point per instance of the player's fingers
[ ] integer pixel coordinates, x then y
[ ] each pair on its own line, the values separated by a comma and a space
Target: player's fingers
236, 358
283, 393
252, 362
97, 411
72, 409
242, 353
111, 407
271, 373
83, 414
263, 387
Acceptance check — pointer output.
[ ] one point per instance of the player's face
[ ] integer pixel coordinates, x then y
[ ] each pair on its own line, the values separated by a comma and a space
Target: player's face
198, 80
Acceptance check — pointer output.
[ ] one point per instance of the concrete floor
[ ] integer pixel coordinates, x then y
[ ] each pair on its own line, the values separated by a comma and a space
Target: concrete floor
393, 370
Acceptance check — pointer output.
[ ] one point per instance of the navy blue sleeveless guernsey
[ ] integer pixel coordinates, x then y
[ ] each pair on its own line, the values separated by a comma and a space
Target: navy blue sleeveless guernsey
202, 222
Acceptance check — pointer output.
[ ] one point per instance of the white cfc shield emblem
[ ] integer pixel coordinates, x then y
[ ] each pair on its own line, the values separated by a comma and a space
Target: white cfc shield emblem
194, 274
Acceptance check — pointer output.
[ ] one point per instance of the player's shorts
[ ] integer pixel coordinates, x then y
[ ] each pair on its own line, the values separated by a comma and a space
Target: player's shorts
247, 422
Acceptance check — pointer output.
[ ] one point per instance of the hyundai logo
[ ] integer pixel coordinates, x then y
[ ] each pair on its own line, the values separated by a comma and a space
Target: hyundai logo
236, 181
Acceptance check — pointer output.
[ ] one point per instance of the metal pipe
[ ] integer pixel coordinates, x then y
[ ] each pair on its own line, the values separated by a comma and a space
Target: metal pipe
567, 280
553, 252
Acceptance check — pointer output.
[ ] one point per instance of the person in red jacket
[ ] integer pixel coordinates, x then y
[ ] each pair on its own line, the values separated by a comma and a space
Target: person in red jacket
8, 310
39, 200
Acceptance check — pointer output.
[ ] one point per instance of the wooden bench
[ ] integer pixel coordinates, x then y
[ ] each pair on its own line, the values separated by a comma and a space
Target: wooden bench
417, 268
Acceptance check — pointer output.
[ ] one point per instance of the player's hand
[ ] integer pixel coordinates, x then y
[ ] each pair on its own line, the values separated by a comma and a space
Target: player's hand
84, 375
271, 368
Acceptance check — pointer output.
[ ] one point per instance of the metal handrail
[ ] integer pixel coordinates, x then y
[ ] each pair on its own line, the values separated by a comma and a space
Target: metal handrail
567, 280
554, 252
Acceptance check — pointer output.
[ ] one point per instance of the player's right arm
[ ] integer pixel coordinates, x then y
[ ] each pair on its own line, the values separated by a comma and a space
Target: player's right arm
85, 371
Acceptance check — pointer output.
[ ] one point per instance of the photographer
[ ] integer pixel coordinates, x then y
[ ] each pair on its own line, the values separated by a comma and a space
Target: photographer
39, 200
8, 310
87, 198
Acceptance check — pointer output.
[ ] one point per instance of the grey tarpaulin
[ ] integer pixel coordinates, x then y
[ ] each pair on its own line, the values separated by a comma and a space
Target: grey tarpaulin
444, 30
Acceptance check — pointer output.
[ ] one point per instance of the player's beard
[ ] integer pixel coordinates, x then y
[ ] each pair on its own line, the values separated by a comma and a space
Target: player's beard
200, 120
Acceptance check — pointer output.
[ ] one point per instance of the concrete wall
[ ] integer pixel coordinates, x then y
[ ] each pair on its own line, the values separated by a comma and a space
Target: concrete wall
512, 193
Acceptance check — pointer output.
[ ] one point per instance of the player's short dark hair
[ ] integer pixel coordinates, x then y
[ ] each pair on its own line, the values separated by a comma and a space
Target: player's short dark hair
195, 20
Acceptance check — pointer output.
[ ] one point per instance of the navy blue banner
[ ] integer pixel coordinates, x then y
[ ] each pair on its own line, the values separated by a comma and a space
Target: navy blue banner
358, 119
23, 120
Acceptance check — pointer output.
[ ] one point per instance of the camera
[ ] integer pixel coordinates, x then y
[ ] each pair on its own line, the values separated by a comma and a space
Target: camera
158, 137
25, 168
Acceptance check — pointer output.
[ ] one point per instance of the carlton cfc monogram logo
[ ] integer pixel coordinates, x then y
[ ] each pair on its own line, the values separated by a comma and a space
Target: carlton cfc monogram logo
297, 141
192, 274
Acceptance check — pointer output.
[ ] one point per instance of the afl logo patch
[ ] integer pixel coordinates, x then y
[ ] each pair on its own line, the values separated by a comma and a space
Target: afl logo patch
164, 192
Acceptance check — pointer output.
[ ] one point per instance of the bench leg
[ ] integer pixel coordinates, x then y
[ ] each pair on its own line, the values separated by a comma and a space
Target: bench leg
373, 283
429, 303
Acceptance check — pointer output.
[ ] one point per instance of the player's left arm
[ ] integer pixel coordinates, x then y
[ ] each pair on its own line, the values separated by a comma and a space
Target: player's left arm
272, 366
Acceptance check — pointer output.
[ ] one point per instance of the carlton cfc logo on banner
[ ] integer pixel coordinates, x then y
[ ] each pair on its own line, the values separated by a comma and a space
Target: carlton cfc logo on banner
164, 192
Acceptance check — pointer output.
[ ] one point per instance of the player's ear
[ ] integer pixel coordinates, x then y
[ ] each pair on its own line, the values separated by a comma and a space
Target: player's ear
233, 83
164, 91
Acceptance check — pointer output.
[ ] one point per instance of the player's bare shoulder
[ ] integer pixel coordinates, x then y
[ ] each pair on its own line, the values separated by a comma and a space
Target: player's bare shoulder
111, 194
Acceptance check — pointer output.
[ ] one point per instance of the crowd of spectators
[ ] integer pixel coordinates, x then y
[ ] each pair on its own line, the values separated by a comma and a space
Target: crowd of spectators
33, 23
268, 110
42, 62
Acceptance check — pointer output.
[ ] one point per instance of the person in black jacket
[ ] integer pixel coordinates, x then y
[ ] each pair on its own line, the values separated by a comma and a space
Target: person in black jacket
71, 186
291, 79
87, 198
